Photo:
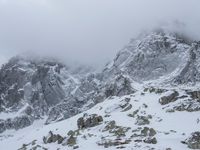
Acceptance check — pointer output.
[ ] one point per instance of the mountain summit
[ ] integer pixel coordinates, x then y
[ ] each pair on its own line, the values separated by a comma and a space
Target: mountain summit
172, 57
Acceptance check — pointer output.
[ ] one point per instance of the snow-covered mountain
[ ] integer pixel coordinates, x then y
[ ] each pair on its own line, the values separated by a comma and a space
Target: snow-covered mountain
148, 97
33, 89
167, 55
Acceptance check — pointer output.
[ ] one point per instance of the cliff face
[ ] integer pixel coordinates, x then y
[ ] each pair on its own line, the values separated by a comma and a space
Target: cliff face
33, 87
158, 55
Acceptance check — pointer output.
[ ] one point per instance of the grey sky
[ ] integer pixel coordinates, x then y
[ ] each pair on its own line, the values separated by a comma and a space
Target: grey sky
87, 31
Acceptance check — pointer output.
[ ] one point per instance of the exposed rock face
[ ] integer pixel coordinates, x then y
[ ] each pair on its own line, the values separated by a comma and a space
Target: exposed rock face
193, 141
44, 87
38, 88
16, 123
89, 121
158, 54
189, 105
120, 86
168, 99
195, 94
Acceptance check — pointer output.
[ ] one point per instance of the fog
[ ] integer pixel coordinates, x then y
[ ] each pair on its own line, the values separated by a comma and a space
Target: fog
87, 31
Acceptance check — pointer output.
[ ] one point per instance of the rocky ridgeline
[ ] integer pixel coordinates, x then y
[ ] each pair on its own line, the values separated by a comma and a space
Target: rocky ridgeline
39, 88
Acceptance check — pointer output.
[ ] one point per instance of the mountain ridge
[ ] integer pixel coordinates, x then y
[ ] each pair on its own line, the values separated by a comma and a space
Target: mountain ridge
161, 65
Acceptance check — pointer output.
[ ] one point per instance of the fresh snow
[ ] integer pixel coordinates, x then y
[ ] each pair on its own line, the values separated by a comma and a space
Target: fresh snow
178, 125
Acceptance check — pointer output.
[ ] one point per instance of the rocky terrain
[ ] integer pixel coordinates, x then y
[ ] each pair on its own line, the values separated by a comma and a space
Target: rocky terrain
148, 97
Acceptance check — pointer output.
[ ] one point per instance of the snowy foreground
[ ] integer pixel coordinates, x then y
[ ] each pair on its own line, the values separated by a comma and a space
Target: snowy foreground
171, 127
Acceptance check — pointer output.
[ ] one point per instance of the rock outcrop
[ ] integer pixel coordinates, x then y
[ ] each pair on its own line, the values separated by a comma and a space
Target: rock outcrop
168, 99
89, 121
193, 141
52, 138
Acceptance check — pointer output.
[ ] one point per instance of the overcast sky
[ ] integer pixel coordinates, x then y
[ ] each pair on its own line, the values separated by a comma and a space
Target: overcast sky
87, 31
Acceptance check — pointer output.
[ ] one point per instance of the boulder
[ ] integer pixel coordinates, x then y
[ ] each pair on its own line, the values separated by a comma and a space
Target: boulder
193, 141
168, 99
148, 131
142, 120
150, 140
71, 141
52, 138
89, 121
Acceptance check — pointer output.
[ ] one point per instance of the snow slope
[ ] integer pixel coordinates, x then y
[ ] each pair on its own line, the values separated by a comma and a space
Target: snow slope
171, 127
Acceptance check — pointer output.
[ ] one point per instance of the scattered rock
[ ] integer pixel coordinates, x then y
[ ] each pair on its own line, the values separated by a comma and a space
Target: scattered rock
32, 146
89, 121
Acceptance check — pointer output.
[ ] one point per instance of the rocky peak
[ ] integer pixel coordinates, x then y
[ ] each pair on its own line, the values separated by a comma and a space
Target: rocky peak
33, 87
172, 57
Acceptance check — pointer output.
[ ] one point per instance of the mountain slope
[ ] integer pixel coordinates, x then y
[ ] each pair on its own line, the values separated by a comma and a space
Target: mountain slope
148, 97
171, 127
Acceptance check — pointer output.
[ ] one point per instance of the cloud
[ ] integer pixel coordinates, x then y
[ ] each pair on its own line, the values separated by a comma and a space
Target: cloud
87, 31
